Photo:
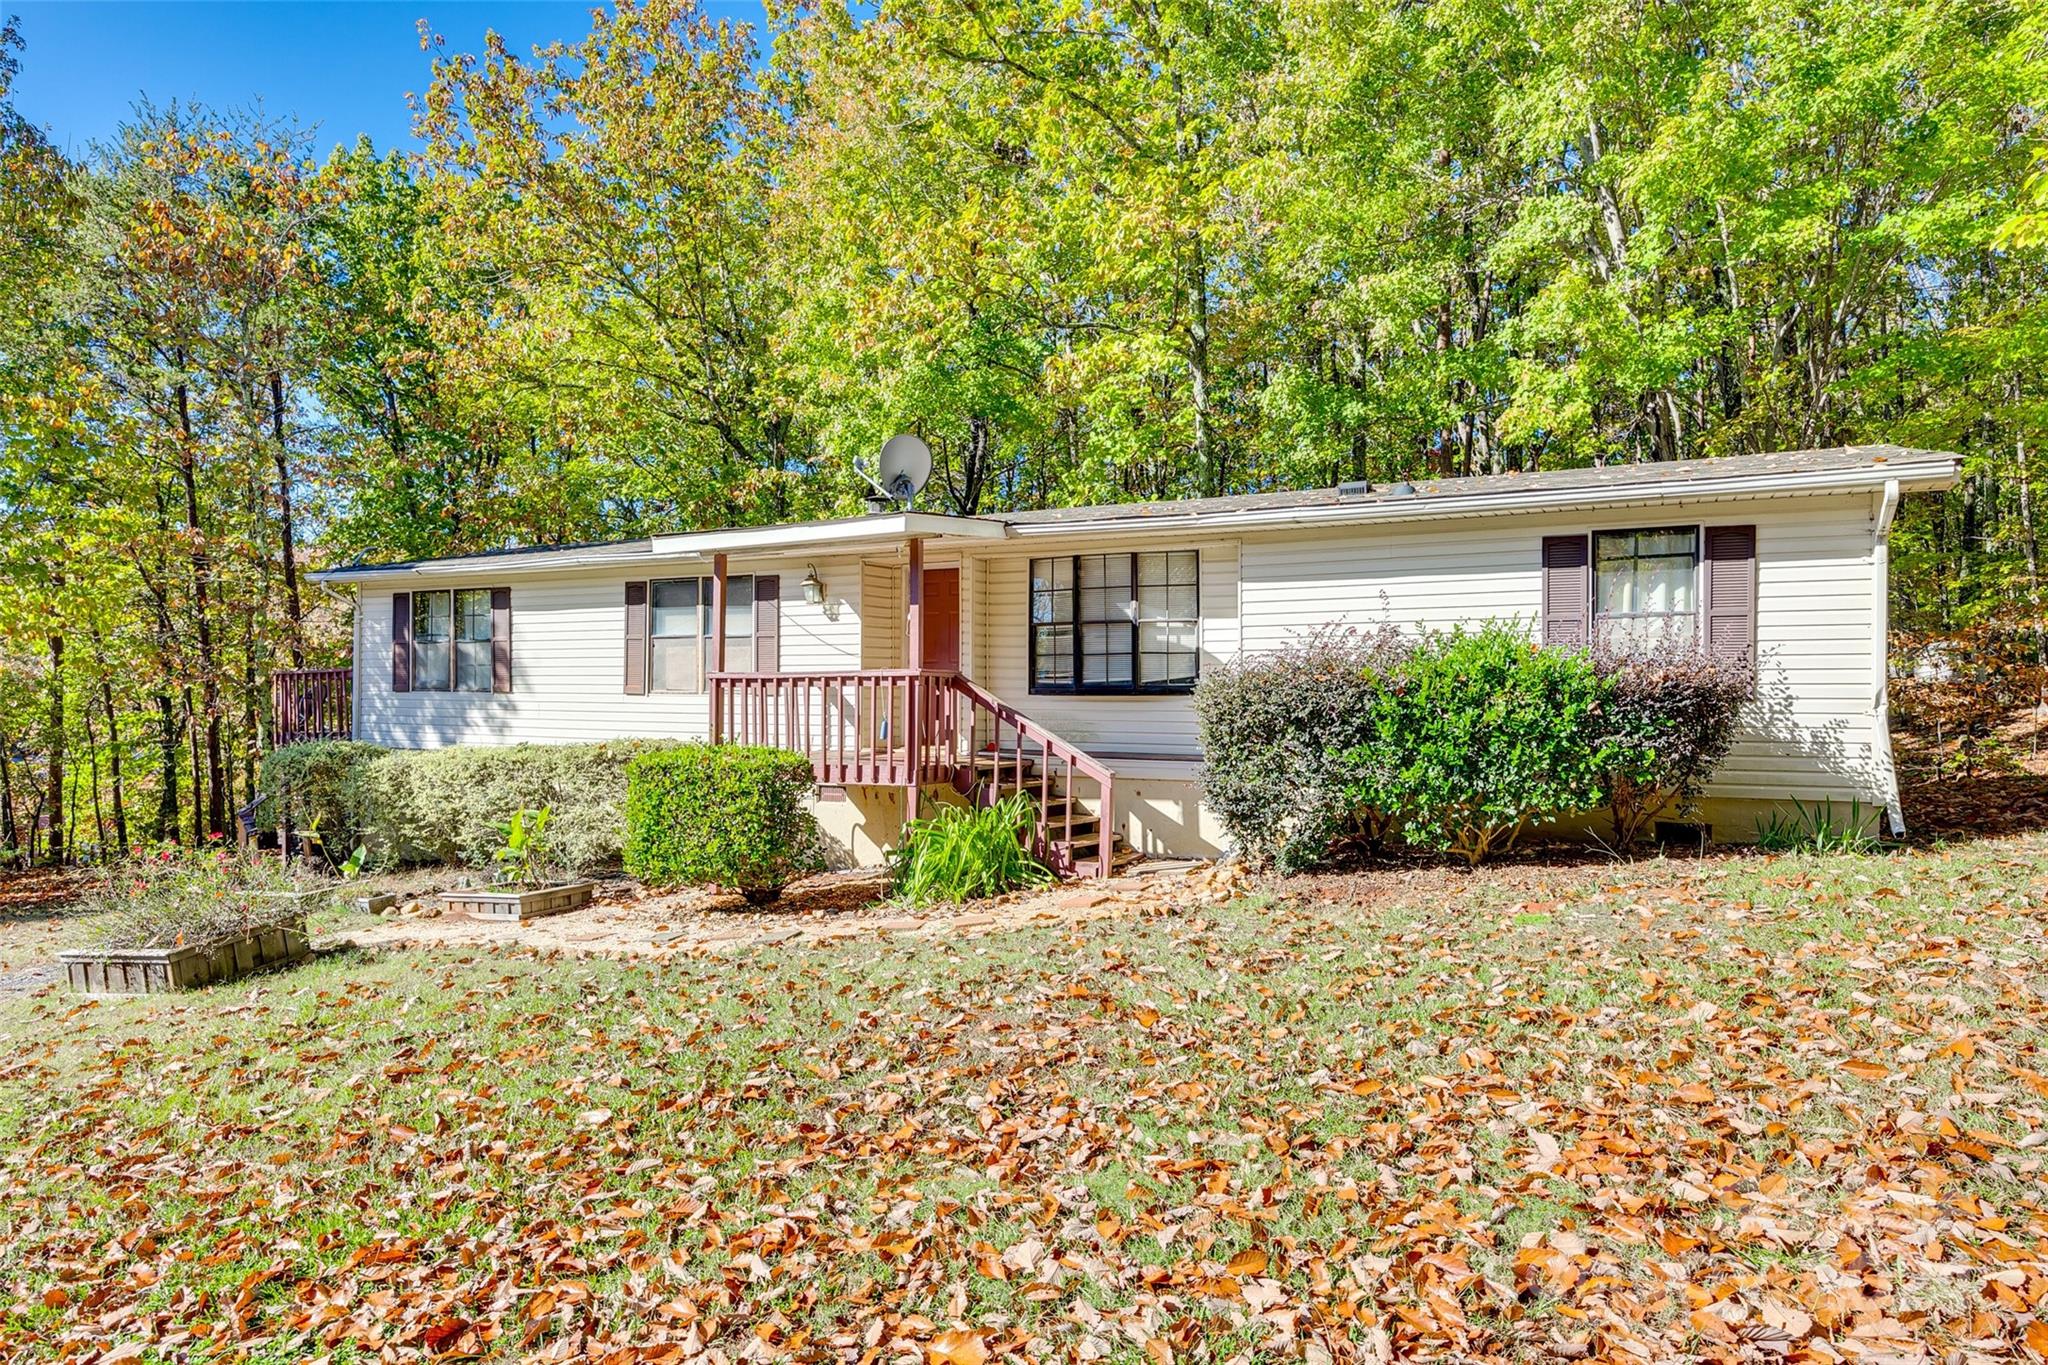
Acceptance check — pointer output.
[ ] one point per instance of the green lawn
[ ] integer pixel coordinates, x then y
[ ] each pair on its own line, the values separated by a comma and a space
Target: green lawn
1730, 1110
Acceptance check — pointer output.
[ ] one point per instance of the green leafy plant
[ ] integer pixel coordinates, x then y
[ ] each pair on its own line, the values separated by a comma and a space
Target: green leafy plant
964, 853
1816, 828
721, 815
1477, 735
526, 857
1281, 733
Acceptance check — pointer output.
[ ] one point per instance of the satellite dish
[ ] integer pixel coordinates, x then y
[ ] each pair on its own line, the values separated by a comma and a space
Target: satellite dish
905, 465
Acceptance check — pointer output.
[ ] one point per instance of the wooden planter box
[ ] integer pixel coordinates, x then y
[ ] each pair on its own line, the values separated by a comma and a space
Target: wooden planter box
145, 971
519, 905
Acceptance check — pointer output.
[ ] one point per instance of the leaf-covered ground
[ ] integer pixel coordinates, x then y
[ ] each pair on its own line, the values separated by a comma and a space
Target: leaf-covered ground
1737, 1109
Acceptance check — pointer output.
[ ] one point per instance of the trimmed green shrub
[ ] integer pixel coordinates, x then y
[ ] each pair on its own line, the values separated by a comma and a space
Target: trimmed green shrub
1478, 734
450, 805
721, 814
1669, 718
318, 784
1281, 736
964, 853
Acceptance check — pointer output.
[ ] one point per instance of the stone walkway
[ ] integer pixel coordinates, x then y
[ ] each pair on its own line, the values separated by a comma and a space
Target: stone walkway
623, 922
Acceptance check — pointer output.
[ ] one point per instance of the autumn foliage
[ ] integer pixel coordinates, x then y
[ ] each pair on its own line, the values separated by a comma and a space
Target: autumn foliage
1276, 729
1726, 1112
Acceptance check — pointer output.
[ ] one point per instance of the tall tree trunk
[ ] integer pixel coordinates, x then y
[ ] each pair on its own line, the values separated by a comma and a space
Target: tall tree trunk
114, 766
56, 797
10, 836
92, 758
167, 737
209, 667
287, 532
192, 733
2030, 545
1207, 467
252, 737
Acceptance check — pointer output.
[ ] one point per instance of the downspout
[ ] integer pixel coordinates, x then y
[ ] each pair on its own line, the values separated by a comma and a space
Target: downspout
355, 665
1880, 609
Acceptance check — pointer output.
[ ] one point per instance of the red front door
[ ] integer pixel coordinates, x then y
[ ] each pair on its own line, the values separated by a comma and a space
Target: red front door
942, 619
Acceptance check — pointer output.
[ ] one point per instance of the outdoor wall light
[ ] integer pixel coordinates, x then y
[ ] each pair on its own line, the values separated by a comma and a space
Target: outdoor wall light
814, 586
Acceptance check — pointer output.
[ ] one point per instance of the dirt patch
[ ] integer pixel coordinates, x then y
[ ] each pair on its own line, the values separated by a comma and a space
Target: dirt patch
38, 913
626, 921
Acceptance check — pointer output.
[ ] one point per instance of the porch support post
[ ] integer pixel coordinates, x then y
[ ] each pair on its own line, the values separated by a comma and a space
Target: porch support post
717, 660
913, 597
913, 654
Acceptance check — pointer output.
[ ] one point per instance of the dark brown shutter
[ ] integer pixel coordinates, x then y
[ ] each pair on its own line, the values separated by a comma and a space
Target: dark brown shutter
1730, 557
767, 623
636, 638
401, 642
1567, 590
501, 639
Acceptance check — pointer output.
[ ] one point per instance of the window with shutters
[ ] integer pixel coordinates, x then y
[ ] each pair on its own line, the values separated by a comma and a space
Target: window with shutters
679, 631
452, 640
1646, 585
1116, 622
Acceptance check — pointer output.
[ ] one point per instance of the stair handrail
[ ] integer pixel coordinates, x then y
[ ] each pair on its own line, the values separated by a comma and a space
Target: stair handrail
1055, 747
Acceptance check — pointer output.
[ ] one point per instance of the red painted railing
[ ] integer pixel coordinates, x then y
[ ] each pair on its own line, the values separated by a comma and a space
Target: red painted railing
865, 727
311, 703
1026, 756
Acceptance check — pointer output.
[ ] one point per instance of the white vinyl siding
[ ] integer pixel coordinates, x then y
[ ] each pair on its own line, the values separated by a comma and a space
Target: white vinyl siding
568, 662
1811, 735
1808, 736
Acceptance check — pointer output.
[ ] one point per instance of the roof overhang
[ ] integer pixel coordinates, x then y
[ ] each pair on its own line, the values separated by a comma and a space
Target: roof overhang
1908, 472
479, 566
1917, 475
850, 533
691, 547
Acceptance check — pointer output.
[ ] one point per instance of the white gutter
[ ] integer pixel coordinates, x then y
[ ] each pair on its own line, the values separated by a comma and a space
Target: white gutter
1426, 507
1880, 611
893, 527
484, 566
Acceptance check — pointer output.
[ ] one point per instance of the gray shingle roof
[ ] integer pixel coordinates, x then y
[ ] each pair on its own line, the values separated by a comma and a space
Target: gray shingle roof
1425, 495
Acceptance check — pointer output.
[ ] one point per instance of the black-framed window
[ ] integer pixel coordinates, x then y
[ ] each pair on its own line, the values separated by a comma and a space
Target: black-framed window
1111, 623
679, 631
1646, 585
451, 640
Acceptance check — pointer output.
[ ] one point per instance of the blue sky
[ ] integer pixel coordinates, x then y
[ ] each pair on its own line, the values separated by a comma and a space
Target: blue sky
344, 66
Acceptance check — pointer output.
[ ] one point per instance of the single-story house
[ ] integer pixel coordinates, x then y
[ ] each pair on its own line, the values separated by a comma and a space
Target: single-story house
910, 652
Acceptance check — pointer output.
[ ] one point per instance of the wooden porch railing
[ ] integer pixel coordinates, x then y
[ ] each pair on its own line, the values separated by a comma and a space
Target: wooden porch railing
311, 703
921, 728
867, 727
1033, 759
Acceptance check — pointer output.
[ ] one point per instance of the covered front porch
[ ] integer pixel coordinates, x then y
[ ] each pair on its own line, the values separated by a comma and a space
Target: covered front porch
925, 728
